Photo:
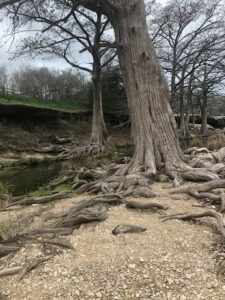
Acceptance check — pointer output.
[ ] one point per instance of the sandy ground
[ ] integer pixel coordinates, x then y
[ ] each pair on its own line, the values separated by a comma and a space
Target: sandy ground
170, 260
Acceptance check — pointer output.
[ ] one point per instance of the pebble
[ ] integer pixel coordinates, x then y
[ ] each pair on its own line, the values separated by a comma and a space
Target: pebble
99, 294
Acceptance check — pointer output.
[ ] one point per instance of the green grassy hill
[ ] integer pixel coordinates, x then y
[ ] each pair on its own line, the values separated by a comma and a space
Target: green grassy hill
18, 99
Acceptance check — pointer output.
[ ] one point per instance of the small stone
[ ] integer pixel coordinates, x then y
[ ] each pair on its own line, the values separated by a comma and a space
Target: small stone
137, 295
132, 266
170, 281
188, 276
99, 294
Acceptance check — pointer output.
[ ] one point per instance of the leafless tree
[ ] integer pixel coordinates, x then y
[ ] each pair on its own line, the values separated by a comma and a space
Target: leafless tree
48, 85
83, 29
153, 123
185, 34
3, 79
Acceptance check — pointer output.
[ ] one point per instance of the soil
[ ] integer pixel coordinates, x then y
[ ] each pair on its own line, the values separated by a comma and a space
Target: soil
170, 260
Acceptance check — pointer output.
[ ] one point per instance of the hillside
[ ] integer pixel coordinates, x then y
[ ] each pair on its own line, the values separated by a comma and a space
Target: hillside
29, 101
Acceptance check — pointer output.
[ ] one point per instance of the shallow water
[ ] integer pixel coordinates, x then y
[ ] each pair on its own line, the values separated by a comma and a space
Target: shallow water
23, 180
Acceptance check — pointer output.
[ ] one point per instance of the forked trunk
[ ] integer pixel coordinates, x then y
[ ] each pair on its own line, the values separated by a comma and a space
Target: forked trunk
148, 95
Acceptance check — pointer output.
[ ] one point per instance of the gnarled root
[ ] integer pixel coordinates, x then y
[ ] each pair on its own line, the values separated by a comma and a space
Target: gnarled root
110, 199
144, 205
40, 200
24, 270
92, 149
5, 250
86, 215
62, 180
209, 213
200, 175
204, 187
116, 184
202, 191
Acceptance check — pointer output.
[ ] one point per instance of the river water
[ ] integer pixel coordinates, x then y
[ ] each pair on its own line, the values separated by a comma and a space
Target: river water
22, 180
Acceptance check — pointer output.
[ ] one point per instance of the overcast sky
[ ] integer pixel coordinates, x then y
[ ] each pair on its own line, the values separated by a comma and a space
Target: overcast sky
7, 46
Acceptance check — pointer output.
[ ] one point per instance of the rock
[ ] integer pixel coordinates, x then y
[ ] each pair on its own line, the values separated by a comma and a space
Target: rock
188, 276
132, 266
99, 294
126, 228
163, 178
144, 192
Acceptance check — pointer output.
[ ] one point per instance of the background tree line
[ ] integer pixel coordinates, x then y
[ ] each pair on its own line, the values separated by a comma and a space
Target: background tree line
65, 86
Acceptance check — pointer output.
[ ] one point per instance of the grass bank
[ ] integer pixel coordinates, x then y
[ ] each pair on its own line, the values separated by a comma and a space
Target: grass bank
19, 99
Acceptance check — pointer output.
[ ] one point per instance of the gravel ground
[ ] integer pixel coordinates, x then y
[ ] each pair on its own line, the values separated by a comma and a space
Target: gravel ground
171, 260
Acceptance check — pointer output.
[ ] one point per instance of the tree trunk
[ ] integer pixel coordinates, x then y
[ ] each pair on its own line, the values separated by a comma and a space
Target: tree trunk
188, 112
182, 112
98, 133
152, 119
204, 114
189, 104
204, 102
173, 79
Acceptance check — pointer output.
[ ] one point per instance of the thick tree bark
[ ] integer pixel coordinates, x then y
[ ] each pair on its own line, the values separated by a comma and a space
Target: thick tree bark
147, 91
98, 133
152, 120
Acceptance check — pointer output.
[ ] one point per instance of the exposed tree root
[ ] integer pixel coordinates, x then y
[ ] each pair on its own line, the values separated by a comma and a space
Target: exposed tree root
200, 175
144, 205
57, 242
10, 271
212, 196
32, 265
24, 270
92, 149
49, 149
55, 230
63, 140
40, 200
126, 228
202, 191
109, 199
115, 183
210, 213
143, 192
62, 180
83, 216
219, 156
196, 150
204, 187
5, 250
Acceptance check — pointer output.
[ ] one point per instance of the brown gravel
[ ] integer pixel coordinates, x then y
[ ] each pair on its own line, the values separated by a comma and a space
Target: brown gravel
172, 260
